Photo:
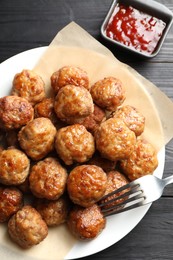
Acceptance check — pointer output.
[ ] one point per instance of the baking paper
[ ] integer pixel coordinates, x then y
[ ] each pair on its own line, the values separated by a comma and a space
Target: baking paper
74, 46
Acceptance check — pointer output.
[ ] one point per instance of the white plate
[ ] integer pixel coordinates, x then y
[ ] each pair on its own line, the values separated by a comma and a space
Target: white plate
117, 226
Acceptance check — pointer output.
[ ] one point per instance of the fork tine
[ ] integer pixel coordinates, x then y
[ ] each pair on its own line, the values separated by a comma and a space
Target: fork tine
132, 185
118, 205
117, 211
132, 191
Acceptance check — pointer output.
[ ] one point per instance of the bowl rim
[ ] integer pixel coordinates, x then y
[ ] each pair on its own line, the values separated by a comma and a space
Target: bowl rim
149, 7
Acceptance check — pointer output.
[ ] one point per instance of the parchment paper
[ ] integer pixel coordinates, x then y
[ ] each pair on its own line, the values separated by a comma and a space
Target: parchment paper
74, 46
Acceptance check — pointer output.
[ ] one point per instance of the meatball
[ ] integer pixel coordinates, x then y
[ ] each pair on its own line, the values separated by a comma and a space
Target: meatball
115, 181
92, 121
86, 184
15, 112
53, 212
37, 138
86, 223
132, 118
45, 108
108, 93
73, 104
14, 166
114, 140
27, 228
11, 200
103, 163
48, 179
29, 85
69, 75
74, 144
142, 161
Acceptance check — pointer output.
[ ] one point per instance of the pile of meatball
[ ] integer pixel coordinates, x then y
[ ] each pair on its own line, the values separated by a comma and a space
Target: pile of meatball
66, 152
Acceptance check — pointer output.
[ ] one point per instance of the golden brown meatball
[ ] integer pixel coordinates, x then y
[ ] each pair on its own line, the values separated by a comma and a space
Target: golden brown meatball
103, 163
53, 212
69, 75
115, 181
29, 85
73, 104
37, 138
108, 93
114, 140
45, 108
142, 161
15, 112
14, 167
48, 179
86, 223
86, 184
11, 200
92, 121
132, 118
27, 228
74, 144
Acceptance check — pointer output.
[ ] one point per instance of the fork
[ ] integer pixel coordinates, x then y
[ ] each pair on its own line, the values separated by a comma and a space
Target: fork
134, 194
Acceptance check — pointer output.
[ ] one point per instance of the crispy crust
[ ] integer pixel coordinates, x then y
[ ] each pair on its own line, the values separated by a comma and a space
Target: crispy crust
108, 93
132, 118
142, 161
69, 75
114, 140
11, 200
37, 138
74, 144
14, 166
54, 212
73, 104
86, 184
86, 223
27, 228
15, 112
29, 85
48, 179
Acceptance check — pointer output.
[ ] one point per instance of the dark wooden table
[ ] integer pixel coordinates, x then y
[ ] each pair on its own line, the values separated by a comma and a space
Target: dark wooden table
34, 23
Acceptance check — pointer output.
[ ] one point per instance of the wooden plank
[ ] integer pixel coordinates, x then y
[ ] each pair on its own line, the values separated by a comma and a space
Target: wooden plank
160, 74
22, 24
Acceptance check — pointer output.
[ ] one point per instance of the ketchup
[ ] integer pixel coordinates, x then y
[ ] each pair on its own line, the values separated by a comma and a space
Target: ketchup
135, 29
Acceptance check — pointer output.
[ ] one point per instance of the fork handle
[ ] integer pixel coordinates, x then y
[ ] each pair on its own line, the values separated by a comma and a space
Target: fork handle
168, 180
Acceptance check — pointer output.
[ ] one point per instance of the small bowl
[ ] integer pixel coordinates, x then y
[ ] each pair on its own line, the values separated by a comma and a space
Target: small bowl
149, 7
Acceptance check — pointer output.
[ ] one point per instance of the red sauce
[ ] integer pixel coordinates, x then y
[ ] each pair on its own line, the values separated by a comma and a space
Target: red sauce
135, 29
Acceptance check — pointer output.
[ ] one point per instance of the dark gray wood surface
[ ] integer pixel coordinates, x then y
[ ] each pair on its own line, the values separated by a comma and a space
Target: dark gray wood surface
34, 23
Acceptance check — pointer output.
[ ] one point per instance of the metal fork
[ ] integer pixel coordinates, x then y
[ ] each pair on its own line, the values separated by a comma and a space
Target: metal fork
134, 194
